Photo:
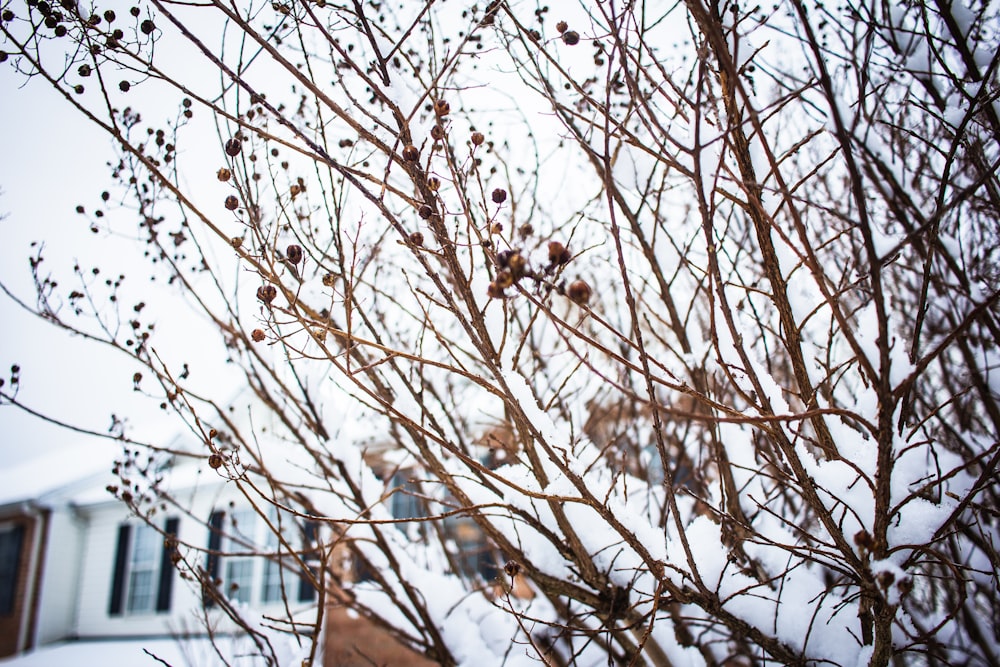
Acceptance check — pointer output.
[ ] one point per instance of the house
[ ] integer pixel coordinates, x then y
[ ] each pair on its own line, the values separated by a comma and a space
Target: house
77, 565
85, 581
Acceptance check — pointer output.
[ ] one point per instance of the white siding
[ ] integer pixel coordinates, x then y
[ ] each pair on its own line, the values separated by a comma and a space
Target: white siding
60, 576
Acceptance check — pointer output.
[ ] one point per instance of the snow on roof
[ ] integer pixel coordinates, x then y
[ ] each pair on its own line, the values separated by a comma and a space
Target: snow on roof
47, 477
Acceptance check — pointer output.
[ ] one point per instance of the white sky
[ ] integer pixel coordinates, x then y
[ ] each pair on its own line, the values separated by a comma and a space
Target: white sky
51, 161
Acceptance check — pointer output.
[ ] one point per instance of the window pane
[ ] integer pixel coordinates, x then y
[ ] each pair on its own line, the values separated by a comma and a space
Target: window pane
140, 591
239, 579
142, 569
10, 558
272, 582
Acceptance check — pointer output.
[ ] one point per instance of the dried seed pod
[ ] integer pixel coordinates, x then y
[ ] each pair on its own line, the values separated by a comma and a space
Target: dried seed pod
232, 203
579, 292
215, 461
442, 108
294, 253
417, 239
147, 27
503, 258
223, 174
257, 335
236, 242
571, 38
233, 147
499, 196
512, 568
494, 291
526, 230
504, 279
561, 27
518, 265
437, 133
496, 228
433, 184
425, 211
410, 153
558, 254
124, 86
267, 293
329, 280
477, 138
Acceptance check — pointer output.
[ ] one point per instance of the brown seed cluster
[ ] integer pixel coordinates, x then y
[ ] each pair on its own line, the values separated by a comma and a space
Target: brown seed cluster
512, 266
234, 147
267, 293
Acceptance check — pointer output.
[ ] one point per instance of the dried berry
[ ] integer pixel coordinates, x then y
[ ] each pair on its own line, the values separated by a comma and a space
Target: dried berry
329, 280
232, 203
425, 211
499, 196
518, 265
7, 15
558, 254
503, 258
257, 335
437, 133
561, 27
60, 30
147, 27
417, 239
223, 174
526, 230
84, 70
477, 138
233, 147
236, 242
109, 16
504, 279
411, 154
124, 86
433, 184
579, 292
267, 293
494, 291
294, 253
215, 461
571, 38
442, 108
512, 568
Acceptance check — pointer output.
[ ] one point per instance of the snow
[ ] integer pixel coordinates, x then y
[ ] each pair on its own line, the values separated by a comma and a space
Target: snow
138, 652
55, 473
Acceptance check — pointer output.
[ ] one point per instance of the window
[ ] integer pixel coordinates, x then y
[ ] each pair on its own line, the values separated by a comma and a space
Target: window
11, 539
143, 575
246, 557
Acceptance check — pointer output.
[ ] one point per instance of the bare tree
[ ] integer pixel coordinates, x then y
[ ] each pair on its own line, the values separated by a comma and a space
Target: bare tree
689, 309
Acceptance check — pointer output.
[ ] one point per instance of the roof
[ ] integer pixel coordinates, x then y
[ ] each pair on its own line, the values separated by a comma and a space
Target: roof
52, 477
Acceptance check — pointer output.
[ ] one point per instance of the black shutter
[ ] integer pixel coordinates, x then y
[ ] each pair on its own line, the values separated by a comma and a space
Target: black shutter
121, 565
214, 544
10, 566
165, 588
310, 552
